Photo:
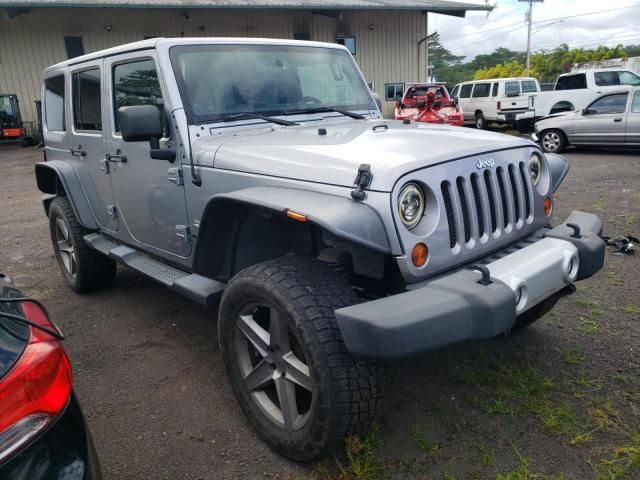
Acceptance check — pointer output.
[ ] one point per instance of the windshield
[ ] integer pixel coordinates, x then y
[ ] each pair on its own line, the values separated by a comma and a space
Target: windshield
220, 80
8, 112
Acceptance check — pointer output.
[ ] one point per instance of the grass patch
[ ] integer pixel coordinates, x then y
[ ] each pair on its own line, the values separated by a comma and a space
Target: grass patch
588, 326
624, 461
485, 457
362, 463
573, 357
555, 418
424, 443
631, 309
523, 471
587, 302
498, 407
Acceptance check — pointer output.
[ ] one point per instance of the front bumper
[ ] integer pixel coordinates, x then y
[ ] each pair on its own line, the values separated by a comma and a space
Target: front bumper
467, 305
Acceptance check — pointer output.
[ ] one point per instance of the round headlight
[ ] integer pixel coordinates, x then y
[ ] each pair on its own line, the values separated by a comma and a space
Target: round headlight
535, 168
411, 205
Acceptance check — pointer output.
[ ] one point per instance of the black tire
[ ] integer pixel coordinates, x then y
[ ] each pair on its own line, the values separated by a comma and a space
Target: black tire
83, 268
480, 122
553, 140
344, 392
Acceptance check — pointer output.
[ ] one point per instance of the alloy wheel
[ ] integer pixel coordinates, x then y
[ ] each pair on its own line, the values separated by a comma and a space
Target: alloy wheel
273, 366
551, 141
65, 247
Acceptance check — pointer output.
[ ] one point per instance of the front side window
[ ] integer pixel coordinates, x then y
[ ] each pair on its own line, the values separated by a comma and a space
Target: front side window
454, 92
614, 77
572, 82
481, 90
629, 78
465, 91
512, 89
635, 103
609, 104
54, 103
87, 114
220, 80
136, 83
393, 91
529, 86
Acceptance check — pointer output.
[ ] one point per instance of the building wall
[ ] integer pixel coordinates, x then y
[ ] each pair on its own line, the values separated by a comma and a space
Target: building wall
386, 42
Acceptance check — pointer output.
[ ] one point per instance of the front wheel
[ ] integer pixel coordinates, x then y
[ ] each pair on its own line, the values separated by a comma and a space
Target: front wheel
300, 389
552, 141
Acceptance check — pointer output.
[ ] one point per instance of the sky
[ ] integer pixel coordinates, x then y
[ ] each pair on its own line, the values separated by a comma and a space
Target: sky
616, 22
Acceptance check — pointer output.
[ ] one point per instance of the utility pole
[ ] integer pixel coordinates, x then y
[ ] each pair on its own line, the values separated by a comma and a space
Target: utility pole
529, 33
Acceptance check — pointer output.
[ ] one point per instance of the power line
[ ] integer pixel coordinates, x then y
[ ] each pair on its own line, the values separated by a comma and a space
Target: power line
493, 36
588, 13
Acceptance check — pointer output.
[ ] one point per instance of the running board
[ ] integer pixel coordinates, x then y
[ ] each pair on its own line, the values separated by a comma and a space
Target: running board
196, 287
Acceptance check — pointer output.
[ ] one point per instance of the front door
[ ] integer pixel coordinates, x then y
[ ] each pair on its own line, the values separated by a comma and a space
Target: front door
633, 120
602, 122
152, 207
87, 142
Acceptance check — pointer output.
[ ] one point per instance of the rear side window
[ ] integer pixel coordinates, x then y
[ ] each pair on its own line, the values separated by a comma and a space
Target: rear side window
511, 89
87, 113
609, 104
136, 83
465, 91
54, 103
529, 86
494, 89
635, 103
607, 79
572, 82
481, 90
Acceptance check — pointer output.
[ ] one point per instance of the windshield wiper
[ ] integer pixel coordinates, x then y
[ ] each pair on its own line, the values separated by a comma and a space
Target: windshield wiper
246, 116
355, 115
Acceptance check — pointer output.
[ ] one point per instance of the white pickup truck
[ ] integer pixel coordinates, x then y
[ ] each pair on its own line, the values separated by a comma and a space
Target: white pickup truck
575, 90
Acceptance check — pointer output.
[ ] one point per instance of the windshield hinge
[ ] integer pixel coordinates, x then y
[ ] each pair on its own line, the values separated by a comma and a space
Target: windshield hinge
363, 180
174, 174
112, 211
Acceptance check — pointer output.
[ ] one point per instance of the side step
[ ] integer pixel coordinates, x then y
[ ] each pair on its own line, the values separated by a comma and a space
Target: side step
196, 287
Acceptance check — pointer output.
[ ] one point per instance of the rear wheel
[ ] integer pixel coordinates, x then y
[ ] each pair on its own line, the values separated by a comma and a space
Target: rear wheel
553, 141
481, 123
84, 269
295, 381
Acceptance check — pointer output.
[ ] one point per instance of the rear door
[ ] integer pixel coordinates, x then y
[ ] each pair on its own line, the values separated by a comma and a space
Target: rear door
150, 201
605, 122
481, 100
87, 142
633, 120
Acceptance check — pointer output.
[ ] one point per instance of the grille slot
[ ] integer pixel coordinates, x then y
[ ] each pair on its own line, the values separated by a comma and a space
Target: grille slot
495, 202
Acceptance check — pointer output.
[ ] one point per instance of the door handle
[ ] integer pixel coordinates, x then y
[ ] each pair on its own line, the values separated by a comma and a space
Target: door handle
617, 120
116, 157
78, 152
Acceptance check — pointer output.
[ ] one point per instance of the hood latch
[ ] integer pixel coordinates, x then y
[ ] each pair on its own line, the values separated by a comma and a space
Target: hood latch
363, 180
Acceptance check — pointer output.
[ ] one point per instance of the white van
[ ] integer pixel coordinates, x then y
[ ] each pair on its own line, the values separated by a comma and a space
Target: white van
497, 100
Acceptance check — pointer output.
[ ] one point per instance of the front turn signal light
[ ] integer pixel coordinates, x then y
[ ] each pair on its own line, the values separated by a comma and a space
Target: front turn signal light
419, 255
548, 206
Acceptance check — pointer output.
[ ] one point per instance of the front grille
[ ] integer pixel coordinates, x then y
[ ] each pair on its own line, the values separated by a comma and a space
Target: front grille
498, 202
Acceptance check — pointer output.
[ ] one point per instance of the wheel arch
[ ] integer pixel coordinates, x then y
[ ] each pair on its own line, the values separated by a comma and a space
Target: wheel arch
58, 179
562, 106
249, 226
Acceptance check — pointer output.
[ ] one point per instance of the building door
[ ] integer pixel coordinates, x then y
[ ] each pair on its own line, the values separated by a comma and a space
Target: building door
151, 205
87, 141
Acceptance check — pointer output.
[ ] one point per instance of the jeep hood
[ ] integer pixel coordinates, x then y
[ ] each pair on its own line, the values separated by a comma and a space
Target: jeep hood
331, 152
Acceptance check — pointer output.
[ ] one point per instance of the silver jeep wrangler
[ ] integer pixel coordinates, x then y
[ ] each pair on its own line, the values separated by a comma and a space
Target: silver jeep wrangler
260, 174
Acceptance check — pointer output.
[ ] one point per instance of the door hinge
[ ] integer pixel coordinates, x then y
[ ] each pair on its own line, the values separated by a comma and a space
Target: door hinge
183, 232
104, 166
175, 175
112, 211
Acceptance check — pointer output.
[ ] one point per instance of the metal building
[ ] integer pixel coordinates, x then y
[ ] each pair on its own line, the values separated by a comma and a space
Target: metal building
383, 35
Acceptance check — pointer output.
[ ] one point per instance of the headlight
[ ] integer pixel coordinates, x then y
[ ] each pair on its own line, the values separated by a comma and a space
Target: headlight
535, 168
411, 205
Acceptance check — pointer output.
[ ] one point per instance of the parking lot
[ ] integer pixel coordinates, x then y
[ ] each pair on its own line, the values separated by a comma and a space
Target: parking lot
560, 399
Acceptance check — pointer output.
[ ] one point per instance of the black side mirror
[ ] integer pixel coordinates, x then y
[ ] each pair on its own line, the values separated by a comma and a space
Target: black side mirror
586, 111
140, 123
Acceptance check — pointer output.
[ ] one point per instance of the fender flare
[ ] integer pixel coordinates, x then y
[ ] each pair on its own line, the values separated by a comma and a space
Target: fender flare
50, 176
350, 221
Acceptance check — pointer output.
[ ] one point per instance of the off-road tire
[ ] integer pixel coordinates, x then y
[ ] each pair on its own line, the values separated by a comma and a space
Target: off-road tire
93, 270
480, 122
347, 391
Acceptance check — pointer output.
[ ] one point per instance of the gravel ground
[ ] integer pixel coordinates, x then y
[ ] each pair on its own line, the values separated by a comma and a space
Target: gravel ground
558, 400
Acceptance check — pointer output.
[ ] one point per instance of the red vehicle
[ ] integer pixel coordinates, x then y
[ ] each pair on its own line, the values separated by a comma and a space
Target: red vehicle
430, 103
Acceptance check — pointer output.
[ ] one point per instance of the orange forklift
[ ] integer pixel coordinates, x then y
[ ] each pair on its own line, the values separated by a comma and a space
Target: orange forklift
11, 126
